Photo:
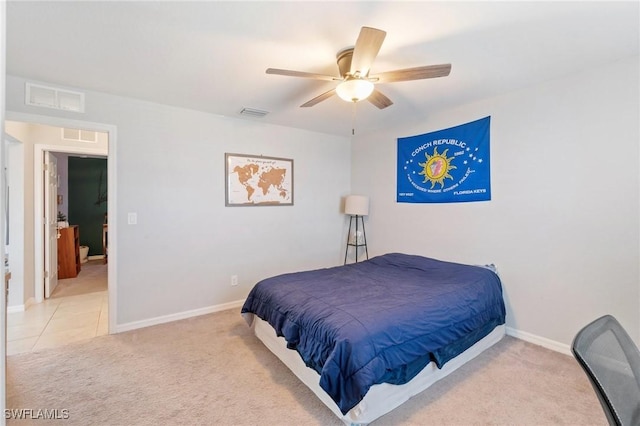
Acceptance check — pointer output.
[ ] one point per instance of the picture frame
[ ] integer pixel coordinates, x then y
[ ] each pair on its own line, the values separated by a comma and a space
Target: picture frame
257, 180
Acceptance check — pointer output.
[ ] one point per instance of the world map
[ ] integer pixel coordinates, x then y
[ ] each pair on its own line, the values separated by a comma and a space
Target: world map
258, 180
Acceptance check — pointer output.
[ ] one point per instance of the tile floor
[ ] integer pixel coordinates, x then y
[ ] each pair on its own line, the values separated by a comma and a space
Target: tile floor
57, 321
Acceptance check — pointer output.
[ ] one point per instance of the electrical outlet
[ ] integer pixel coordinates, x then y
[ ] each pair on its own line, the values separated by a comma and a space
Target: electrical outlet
234, 280
132, 218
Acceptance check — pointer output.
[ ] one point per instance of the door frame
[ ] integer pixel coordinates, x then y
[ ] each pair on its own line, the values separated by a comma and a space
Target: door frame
38, 195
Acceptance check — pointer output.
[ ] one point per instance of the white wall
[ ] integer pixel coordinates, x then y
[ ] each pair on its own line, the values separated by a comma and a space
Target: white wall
14, 160
21, 257
187, 244
563, 223
3, 300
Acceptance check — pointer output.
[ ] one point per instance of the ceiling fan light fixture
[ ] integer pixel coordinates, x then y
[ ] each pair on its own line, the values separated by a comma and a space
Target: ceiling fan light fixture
354, 89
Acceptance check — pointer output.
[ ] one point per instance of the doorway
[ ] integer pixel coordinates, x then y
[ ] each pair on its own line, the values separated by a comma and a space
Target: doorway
35, 245
79, 198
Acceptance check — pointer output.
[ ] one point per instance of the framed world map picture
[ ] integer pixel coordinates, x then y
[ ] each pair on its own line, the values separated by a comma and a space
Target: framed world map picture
258, 180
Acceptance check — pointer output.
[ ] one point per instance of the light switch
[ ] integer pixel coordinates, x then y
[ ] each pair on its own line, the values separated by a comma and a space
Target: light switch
132, 218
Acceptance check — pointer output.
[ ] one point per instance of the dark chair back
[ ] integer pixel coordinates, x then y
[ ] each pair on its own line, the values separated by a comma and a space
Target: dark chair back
611, 360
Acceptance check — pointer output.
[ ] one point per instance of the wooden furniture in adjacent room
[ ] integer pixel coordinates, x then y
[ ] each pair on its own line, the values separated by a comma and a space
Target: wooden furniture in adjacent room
69, 252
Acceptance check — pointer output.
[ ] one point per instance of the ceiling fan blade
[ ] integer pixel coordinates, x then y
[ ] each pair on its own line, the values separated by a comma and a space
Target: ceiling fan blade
379, 100
319, 98
366, 49
303, 74
418, 73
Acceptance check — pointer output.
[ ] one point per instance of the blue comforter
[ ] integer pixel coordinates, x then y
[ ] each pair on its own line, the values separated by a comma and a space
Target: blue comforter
381, 320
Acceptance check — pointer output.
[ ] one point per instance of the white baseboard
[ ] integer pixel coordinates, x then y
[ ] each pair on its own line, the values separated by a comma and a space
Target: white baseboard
95, 256
540, 341
15, 308
134, 325
21, 308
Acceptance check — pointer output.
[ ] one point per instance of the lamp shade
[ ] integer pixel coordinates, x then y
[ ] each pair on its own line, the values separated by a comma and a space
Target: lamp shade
354, 90
356, 205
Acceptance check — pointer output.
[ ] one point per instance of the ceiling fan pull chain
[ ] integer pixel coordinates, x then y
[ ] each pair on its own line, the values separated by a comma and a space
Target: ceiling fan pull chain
353, 119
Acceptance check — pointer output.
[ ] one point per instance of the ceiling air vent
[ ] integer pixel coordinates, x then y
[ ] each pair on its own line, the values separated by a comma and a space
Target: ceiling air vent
251, 112
52, 97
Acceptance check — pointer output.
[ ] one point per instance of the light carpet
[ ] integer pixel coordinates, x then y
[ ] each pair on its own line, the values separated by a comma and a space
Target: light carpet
211, 370
92, 278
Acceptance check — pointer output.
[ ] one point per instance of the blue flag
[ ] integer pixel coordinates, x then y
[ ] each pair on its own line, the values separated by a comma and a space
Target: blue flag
446, 166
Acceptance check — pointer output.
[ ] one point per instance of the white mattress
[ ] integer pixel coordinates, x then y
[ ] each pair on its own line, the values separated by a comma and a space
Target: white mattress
381, 398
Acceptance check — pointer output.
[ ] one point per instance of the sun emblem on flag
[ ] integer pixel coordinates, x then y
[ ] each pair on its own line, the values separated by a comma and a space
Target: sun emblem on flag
436, 168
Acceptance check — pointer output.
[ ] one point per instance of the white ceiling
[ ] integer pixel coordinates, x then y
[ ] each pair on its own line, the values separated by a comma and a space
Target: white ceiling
212, 56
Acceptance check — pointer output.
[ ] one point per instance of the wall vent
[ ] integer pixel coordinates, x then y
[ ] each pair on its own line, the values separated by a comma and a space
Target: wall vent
52, 97
80, 135
251, 112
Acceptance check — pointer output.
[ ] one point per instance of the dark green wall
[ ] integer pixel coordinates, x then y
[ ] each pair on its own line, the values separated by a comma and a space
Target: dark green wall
88, 199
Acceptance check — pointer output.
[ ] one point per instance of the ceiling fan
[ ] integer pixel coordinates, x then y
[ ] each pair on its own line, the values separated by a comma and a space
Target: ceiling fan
354, 64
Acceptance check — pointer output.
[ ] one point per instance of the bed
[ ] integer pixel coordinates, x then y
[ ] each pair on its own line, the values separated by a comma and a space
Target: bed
366, 337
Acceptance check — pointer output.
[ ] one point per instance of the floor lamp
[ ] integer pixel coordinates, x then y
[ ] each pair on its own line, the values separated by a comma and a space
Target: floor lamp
356, 206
